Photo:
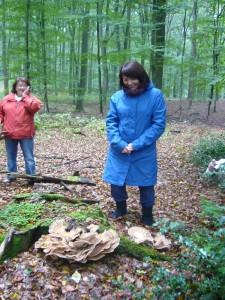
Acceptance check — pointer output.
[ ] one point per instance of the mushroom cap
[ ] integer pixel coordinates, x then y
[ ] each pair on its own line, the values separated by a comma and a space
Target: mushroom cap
93, 227
140, 234
161, 242
58, 229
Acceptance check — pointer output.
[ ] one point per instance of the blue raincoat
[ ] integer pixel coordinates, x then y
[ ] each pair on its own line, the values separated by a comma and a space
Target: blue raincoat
139, 120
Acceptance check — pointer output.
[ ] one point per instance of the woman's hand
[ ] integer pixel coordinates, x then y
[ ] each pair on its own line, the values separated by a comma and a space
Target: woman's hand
128, 149
3, 134
27, 91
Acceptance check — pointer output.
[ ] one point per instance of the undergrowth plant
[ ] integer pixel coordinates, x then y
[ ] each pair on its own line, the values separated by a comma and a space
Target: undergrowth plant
21, 215
212, 147
68, 121
200, 271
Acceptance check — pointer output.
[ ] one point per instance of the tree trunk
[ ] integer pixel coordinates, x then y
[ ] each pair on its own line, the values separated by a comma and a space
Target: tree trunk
99, 11
4, 49
127, 29
158, 41
182, 60
84, 58
192, 76
27, 39
44, 58
145, 29
218, 42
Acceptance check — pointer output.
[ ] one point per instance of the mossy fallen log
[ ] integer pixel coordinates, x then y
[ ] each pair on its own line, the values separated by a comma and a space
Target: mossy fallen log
139, 251
53, 197
51, 179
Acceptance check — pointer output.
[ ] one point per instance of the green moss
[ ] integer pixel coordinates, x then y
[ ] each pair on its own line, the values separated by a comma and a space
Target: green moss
90, 212
2, 237
24, 196
25, 215
58, 197
14, 248
51, 197
132, 249
73, 178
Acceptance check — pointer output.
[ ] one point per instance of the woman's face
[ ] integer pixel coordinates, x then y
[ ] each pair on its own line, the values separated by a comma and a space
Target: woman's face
21, 86
130, 83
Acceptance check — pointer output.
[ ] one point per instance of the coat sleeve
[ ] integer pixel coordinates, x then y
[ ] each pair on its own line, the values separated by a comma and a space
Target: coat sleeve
32, 104
157, 128
112, 124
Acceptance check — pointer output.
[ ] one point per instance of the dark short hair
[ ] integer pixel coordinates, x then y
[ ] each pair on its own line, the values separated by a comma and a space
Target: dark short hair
134, 70
23, 79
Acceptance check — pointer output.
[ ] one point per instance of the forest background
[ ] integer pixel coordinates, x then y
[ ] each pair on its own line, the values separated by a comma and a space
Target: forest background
72, 50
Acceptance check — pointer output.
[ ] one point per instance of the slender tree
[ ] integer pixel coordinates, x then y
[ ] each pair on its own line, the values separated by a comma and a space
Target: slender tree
44, 57
191, 86
4, 50
84, 58
27, 39
158, 41
99, 59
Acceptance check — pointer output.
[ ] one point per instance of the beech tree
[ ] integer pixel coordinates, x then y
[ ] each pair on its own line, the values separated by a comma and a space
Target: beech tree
158, 41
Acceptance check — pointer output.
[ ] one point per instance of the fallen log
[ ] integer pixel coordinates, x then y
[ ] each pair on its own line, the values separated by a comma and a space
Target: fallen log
54, 197
51, 179
138, 251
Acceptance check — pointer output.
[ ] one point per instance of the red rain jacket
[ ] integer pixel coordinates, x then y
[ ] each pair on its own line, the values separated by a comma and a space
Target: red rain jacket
18, 116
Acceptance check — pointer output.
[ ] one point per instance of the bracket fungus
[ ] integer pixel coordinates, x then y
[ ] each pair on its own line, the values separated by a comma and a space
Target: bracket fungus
77, 244
141, 235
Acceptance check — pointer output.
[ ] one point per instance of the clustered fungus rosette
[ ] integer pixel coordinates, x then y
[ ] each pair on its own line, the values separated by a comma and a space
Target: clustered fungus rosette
77, 244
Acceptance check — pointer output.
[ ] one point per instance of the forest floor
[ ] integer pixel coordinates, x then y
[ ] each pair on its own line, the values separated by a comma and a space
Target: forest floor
178, 192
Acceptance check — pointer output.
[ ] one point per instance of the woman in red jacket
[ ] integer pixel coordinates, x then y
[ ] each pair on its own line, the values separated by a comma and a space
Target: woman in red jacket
17, 111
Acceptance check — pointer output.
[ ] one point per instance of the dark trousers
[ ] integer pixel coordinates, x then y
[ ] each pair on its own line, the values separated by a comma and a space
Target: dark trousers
147, 194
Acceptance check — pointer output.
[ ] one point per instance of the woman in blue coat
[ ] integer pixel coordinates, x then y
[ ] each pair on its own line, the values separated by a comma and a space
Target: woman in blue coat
135, 121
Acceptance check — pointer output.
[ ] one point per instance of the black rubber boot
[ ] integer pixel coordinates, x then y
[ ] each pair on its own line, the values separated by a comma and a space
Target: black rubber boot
121, 210
147, 217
